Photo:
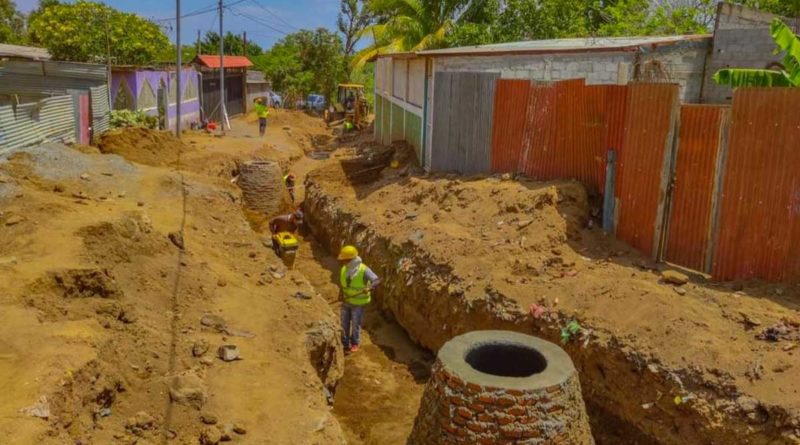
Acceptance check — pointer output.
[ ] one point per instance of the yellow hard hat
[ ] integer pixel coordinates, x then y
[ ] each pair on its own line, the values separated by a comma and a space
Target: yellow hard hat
348, 253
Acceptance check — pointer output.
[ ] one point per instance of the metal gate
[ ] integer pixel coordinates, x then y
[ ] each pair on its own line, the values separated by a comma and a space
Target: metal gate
462, 122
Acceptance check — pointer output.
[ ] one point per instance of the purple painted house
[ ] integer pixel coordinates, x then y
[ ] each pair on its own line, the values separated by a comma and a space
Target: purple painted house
149, 89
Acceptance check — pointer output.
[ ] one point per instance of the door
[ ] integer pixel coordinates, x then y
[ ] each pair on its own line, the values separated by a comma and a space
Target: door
84, 120
234, 94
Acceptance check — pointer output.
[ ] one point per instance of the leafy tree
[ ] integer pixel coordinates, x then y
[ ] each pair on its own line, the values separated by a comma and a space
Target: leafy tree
353, 17
12, 25
641, 17
788, 75
409, 25
188, 52
233, 45
85, 31
305, 62
786, 8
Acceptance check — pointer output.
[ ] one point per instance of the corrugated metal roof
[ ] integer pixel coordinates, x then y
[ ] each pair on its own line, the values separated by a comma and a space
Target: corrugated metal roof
229, 61
24, 52
589, 44
100, 112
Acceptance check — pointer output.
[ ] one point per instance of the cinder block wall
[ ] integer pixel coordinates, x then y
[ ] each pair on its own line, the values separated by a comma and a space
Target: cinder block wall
741, 40
681, 63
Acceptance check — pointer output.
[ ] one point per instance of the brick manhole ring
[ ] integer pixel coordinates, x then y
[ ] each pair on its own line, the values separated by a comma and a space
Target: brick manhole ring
499, 387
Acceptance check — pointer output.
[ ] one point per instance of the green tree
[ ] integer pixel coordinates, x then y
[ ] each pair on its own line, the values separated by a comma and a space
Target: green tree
788, 75
353, 17
786, 8
409, 25
305, 62
640, 17
233, 44
12, 25
92, 32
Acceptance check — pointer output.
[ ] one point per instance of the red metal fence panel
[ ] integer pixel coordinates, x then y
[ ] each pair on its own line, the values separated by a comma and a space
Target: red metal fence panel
699, 139
759, 220
643, 165
510, 110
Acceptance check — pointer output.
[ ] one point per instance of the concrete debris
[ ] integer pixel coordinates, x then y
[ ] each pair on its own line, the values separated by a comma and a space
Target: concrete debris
673, 277
141, 420
213, 321
40, 409
228, 353
238, 428
85, 176
300, 295
199, 348
209, 419
210, 436
187, 390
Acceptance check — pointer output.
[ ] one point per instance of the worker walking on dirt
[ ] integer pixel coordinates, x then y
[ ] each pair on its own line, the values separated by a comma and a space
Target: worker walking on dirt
357, 281
262, 111
289, 181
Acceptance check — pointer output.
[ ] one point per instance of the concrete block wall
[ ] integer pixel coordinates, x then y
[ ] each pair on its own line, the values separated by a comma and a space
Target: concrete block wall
741, 40
684, 64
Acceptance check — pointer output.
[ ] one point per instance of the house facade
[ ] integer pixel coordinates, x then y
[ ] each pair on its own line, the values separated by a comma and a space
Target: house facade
153, 91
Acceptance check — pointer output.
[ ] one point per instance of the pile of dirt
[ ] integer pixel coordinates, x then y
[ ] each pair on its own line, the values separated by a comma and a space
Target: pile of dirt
143, 145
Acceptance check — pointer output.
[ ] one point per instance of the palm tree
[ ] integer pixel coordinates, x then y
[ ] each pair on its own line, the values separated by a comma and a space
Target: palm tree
787, 74
408, 25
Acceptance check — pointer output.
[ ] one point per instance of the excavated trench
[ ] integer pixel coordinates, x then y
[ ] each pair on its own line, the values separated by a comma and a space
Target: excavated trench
418, 295
378, 397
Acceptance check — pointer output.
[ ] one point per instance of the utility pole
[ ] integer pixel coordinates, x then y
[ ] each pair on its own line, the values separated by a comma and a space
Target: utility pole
179, 70
244, 39
222, 73
198, 43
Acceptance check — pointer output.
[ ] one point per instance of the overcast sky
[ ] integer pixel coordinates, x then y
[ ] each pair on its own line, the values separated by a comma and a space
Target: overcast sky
263, 27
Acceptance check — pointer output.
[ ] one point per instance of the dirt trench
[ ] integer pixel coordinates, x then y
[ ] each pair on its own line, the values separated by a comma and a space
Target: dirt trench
424, 298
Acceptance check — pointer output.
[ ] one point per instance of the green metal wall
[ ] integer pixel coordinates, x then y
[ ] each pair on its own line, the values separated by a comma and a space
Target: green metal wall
397, 123
378, 118
386, 122
413, 133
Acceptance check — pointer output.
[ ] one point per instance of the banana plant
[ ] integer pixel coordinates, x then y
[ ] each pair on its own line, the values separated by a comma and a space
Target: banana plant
788, 75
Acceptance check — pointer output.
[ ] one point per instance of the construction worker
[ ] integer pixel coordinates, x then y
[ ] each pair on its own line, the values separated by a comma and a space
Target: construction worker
286, 223
262, 111
357, 281
288, 179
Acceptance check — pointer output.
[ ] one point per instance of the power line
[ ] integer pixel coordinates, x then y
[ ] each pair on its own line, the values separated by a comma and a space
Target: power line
280, 19
201, 11
238, 13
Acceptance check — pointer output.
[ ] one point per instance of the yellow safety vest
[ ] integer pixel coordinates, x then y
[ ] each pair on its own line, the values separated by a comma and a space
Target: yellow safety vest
356, 291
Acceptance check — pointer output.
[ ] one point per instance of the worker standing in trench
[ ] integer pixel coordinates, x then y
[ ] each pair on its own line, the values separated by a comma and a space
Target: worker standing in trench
358, 281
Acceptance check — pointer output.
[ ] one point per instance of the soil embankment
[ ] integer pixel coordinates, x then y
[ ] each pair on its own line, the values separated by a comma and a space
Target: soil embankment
659, 362
120, 280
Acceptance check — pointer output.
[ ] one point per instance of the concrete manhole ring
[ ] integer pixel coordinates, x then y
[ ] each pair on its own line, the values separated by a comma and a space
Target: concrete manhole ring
502, 387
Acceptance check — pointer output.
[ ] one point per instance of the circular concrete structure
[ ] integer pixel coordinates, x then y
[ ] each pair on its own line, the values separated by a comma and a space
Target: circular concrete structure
499, 387
263, 190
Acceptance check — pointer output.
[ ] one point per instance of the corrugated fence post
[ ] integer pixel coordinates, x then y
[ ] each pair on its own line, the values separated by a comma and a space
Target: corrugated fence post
608, 197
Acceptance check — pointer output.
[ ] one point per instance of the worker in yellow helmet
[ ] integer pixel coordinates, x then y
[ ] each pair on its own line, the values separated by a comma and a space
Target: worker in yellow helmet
358, 281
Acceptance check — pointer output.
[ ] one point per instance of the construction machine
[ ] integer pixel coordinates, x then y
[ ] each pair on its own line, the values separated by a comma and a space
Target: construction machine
350, 106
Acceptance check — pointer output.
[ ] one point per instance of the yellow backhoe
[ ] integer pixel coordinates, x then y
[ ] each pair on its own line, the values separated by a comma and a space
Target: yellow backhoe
350, 107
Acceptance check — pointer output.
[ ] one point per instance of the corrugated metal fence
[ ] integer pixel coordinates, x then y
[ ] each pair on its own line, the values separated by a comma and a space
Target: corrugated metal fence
706, 187
759, 221
51, 119
703, 129
644, 164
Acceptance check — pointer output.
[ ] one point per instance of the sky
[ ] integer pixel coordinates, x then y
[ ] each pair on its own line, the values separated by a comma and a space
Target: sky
265, 21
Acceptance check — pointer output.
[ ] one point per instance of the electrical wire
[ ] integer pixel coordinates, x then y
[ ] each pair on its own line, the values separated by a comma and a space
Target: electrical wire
280, 19
250, 17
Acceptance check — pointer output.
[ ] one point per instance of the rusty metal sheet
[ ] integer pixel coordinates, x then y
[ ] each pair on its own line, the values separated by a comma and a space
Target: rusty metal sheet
540, 131
510, 120
643, 166
759, 218
699, 137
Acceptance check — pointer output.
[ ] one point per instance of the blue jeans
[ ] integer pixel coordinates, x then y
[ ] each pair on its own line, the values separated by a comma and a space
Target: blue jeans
351, 324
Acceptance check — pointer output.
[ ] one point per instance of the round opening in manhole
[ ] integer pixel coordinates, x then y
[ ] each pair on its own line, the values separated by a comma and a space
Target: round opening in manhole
506, 360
